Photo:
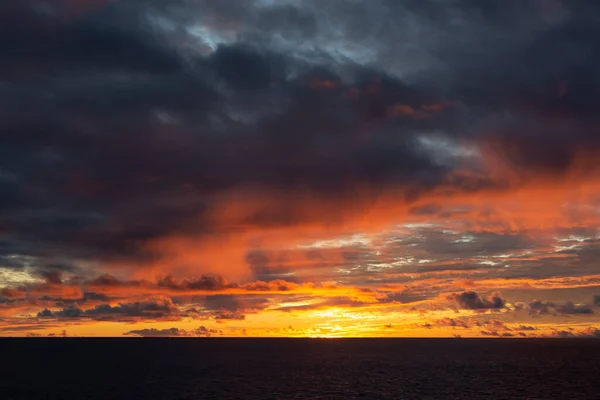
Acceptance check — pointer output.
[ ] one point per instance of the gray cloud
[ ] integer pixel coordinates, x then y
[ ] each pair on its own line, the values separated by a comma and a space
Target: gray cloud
473, 301
201, 331
590, 333
152, 309
538, 307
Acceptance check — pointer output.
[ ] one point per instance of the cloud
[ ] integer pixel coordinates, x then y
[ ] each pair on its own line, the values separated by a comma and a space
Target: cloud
525, 328
53, 277
473, 301
120, 49
136, 79
224, 315
538, 307
201, 331
242, 302
106, 280
154, 308
450, 322
497, 334
482, 327
589, 333
220, 316
205, 282
143, 81
570, 308
45, 313
91, 296
592, 332
324, 304
231, 155
70, 312
153, 332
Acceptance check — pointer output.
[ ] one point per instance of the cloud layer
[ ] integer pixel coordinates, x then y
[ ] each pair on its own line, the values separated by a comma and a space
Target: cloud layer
241, 162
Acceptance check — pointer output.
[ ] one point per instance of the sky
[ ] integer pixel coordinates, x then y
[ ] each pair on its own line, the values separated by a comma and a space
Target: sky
300, 168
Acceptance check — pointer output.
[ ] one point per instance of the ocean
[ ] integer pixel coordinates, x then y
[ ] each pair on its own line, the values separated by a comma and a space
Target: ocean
262, 369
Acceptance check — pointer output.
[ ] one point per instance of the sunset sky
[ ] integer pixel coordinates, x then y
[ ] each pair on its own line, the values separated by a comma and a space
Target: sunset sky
300, 168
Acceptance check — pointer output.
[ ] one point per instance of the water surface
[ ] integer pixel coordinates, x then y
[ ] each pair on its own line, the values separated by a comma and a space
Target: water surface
299, 369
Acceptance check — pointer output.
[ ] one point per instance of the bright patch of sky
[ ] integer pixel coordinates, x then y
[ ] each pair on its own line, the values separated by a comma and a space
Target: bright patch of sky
10, 277
354, 240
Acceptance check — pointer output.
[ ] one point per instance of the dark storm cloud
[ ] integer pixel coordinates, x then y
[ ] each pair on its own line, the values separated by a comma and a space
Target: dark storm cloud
112, 136
37, 40
121, 125
538, 105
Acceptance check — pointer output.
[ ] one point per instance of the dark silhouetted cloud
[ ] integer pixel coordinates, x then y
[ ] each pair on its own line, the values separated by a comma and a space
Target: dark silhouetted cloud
473, 301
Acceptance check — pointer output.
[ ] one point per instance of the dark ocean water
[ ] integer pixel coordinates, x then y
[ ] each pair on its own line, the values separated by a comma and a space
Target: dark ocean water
299, 369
